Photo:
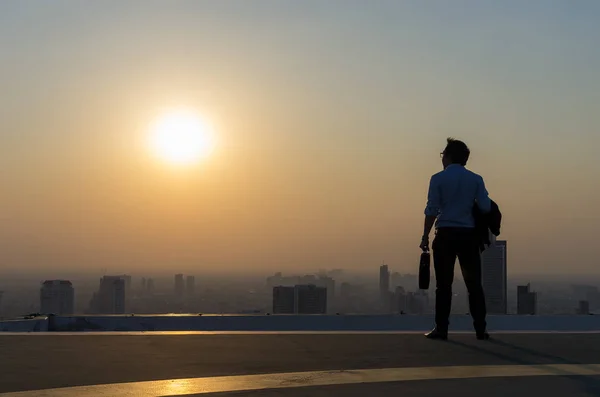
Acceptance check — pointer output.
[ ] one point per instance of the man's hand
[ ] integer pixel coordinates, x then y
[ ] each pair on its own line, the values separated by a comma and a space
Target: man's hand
424, 243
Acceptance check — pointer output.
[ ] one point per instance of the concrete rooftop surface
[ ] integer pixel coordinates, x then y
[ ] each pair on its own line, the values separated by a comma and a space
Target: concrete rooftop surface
296, 322
298, 364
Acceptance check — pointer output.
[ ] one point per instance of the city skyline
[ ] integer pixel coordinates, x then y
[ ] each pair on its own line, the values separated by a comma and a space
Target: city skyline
328, 118
384, 292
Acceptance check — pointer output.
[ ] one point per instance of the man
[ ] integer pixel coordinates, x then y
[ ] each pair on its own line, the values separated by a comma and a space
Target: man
453, 193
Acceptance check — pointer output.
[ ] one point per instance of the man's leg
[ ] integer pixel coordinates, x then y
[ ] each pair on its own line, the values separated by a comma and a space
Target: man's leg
444, 256
470, 264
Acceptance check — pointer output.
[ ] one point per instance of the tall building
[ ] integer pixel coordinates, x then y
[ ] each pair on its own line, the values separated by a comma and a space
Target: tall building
584, 307
526, 300
395, 280
400, 300
384, 280
346, 290
57, 297
283, 300
329, 283
385, 296
493, 274
310, 299
300, 299
190, 285
179, 285
127, 279
417, 302
110, 298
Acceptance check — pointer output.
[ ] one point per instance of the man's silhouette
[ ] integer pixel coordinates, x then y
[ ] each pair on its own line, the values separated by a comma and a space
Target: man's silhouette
453, 193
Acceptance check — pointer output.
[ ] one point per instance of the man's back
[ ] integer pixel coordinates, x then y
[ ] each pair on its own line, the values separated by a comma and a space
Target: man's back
452, 194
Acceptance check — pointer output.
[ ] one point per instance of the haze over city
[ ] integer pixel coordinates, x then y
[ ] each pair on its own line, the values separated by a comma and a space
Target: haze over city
299, 198
326, 122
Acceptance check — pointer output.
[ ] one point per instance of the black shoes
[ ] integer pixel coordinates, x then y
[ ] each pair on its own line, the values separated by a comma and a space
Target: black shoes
436, 334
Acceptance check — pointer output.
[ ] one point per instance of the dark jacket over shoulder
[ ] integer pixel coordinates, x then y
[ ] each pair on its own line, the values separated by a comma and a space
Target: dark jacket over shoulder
485, 222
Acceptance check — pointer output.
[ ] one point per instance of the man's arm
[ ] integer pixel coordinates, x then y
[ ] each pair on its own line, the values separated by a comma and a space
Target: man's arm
428, 225
431, 212
482, 197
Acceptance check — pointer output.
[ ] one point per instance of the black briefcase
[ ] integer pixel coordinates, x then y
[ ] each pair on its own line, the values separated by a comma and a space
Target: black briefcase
425, 270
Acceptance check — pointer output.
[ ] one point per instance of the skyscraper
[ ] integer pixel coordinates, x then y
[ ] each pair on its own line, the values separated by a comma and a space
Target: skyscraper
493, 274
179, 285
300, 299
283, 300
127, 279
526, 300
57, 297
310, 299
584, 307
329, 283
384, 281
417, 302
110, 298
400, 300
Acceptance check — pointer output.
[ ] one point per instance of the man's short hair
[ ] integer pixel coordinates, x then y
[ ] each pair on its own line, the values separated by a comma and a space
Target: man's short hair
457, 151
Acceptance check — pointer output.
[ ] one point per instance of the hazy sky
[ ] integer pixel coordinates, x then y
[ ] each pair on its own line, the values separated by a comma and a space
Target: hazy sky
330, 117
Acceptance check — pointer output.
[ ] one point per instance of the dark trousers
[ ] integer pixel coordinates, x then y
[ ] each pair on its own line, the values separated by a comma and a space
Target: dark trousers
450, 243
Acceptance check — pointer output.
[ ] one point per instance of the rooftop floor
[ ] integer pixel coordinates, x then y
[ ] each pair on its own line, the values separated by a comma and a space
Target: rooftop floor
298, 364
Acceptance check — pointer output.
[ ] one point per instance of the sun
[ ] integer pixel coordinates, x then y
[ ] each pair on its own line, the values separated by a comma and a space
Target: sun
181, 137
